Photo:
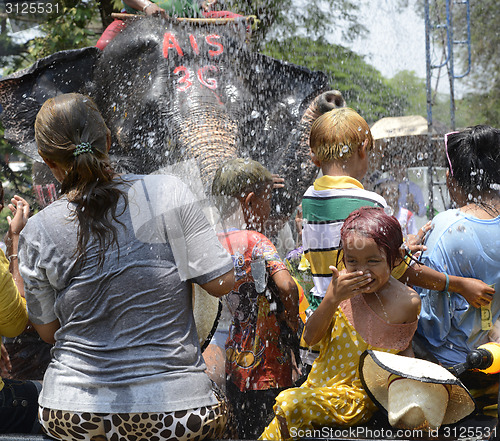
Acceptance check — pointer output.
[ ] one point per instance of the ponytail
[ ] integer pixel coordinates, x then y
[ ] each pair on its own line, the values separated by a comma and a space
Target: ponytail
70, 132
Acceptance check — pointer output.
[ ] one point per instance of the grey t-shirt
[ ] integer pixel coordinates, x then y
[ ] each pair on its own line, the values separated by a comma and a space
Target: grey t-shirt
127, 341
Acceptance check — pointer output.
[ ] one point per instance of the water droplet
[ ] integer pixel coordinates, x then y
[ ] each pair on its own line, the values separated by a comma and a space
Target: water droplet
420, 156
389, 211
255, 114
345, 149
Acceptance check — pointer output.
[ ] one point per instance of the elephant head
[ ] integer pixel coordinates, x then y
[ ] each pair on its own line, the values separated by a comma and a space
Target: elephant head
173, 91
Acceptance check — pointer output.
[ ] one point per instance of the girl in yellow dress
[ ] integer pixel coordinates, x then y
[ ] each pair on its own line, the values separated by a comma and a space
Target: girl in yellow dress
363, 308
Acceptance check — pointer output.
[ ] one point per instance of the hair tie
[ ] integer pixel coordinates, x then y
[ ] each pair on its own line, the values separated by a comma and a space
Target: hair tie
84, 147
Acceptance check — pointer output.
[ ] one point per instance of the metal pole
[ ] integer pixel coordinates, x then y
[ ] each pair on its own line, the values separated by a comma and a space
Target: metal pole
429, 105
451, 74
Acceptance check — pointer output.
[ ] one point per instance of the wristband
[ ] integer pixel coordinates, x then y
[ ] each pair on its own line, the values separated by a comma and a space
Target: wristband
147, 6
447, 284
11, 257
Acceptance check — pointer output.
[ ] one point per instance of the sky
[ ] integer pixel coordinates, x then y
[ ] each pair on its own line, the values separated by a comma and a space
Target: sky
396, 40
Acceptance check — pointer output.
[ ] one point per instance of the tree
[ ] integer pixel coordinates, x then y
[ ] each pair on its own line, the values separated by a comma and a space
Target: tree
78, 24
482, 103
71, 24
282, 19
362, 86
19, 182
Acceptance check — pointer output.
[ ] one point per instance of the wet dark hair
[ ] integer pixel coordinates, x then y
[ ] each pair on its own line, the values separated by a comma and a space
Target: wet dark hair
235, 179
374, 223
63, 125
474, 154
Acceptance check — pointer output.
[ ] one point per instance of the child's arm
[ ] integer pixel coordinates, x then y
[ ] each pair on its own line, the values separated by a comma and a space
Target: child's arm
475, 291
342, 286
20, 213
289, 296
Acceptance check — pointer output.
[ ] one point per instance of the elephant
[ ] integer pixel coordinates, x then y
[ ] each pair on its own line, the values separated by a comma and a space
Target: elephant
179, 91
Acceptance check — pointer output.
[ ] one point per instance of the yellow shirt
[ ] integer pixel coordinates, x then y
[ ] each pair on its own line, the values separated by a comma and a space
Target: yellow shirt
13, 313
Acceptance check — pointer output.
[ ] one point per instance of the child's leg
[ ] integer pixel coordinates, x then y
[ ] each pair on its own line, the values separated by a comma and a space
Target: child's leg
273, 431
305, 408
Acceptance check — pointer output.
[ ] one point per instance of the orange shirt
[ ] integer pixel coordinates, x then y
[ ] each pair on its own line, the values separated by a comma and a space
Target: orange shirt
256, 358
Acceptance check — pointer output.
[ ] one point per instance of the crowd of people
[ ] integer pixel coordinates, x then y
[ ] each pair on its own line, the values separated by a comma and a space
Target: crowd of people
105, 275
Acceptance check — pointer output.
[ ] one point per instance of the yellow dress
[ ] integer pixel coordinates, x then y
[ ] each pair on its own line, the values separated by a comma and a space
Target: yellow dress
333, 395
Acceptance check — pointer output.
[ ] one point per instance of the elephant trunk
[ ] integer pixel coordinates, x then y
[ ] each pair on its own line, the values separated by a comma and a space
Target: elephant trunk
209, 141
296, 166
322, 103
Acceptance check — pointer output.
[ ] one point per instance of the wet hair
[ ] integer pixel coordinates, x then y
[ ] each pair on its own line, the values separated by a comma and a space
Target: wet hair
236, 178
337, 134
63, 125
474, 154
374, 223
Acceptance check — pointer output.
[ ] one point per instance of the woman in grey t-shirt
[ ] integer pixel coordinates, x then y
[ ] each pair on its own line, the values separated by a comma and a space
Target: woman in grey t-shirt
108, 270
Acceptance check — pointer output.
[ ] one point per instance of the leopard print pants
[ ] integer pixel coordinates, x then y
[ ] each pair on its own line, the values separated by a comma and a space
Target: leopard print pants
184, 425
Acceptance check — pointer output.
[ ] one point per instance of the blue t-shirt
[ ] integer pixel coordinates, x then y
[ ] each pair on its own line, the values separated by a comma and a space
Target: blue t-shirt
464, 246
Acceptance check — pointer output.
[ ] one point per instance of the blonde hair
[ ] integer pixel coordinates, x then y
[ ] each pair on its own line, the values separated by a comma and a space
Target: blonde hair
234, 180
337, 134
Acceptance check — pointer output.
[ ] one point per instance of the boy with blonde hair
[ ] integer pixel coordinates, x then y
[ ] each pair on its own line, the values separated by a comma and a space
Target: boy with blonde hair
340, 142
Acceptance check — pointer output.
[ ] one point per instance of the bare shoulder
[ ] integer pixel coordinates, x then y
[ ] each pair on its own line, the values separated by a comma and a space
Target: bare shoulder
407, 301
411, 302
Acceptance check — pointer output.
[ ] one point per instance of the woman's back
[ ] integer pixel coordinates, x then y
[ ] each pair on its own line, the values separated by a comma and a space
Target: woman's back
126, 342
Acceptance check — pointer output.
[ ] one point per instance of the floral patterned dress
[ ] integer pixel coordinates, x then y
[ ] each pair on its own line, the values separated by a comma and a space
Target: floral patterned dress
333, 394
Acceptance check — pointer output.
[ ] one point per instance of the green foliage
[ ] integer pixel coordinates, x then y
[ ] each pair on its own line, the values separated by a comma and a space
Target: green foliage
8, 47
482, 104
18, 182
4, 224
67, 29
413, 88
362, 86
282, 19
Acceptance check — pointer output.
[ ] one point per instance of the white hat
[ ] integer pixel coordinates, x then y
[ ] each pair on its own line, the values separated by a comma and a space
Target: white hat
416, 394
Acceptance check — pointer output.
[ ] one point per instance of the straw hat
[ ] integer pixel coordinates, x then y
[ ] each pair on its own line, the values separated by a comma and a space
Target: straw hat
416, 394
206, 312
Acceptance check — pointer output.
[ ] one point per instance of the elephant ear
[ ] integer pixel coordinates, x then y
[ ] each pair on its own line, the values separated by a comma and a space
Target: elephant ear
274, 132
23, 93
281, 93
